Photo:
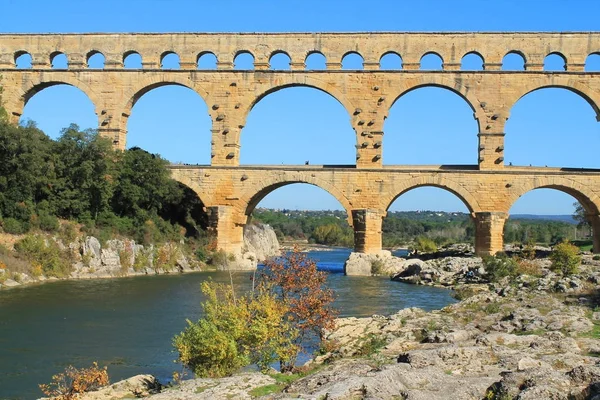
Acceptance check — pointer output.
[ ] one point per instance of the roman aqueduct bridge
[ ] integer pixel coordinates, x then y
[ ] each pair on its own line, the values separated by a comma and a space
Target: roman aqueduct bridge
366, 189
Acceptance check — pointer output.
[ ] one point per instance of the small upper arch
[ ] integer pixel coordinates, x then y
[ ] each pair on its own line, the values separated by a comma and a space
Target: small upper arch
169, 60
555, 61
243, 60
514, 60
59, 60
592, 62
132, 60
207, 60
315, 60
23, 60
280, 60
432, 61
95, 59
472, 61
352, 60
390, 60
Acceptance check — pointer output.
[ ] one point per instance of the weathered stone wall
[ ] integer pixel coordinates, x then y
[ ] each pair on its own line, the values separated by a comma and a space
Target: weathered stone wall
366, 189
367, 94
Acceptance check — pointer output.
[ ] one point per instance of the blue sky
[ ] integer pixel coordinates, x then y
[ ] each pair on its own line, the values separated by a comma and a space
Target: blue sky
277, 130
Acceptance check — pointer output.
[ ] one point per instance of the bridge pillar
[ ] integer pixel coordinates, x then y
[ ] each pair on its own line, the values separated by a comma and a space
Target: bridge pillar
489, 229
491, 138
228, 232
594, 220
367, 230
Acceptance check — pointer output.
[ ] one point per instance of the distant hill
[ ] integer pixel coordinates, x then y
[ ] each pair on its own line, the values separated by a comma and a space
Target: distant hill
562, 218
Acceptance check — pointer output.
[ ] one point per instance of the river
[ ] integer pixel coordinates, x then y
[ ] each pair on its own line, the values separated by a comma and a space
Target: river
128, 323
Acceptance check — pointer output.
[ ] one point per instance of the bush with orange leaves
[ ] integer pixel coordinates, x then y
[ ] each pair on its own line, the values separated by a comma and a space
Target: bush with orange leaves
293, 278
67, 385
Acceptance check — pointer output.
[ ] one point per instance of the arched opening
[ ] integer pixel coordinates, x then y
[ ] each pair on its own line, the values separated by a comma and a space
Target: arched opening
546, 216
173, 121
244, 60
513, 61
434, 213
132, 60
55, 107
189, 212
592, 63
207, 61
316, 61
302, 212
432, 62
430, 125
95, 60
390, 61
472, 61
352, 61
555, 62
298, 125
279, 61
552, 127
169, 60
59, 61
22, 60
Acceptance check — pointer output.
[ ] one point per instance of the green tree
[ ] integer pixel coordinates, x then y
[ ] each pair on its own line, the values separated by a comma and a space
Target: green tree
565, 258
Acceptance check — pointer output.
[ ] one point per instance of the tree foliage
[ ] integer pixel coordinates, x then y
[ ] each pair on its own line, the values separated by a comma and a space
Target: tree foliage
289, 307
500, 266
80, 177
73, 382
565, 258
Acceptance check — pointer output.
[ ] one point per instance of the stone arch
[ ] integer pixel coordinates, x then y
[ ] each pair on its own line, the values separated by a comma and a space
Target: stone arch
58, 54
129, 53
20, 53
590, 96
239, 53
93, 53
304, 81
280, 53
348, 56
439, 81
260, 190
438, 181
315, 54
172, 54
431, 54
472, 55
390, 54
145, 85
585, 195
555, 54
27, 92
206, 55
514, 53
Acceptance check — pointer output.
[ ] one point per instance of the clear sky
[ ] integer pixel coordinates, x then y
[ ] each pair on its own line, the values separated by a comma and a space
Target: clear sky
561, 123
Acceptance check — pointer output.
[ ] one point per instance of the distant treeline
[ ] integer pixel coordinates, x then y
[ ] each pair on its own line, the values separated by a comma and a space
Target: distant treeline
400, 228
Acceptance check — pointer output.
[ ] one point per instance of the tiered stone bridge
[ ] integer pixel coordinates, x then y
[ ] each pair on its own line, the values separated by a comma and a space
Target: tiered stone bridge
230, 191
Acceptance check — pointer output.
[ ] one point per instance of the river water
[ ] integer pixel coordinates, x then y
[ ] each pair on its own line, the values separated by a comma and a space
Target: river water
128, 323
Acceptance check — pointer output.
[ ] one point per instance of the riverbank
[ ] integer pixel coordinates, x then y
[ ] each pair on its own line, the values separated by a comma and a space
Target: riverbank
534, 337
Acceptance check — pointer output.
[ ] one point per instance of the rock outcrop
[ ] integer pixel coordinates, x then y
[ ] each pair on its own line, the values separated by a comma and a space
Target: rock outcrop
260, 243
382, 263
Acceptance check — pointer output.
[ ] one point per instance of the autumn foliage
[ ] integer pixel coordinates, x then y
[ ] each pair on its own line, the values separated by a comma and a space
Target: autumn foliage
72, 382
294, 279
288, 308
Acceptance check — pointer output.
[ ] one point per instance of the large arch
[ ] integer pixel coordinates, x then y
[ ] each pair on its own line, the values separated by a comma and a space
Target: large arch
297, 125
250, 199
588, 198
435, 180
168, 119
548, 118
446, 133
56, 106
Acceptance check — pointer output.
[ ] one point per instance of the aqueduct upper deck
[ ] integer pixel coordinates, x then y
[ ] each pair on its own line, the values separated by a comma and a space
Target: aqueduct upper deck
367, 93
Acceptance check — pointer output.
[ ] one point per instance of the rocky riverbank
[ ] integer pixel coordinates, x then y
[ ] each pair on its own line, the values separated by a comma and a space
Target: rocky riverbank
121, 257
535, 337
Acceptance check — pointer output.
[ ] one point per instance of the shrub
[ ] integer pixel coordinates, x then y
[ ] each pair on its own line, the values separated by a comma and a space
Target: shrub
376, 267
234, 332
69, 384
142, 260
425, 245
48, 223
529, 267
47, 254
596, 257
565, 258
219, 258
15, 227
68, 232
499, 266
201, 254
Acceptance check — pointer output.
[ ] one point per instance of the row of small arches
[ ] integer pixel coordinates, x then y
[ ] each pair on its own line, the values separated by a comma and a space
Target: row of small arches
244, 60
